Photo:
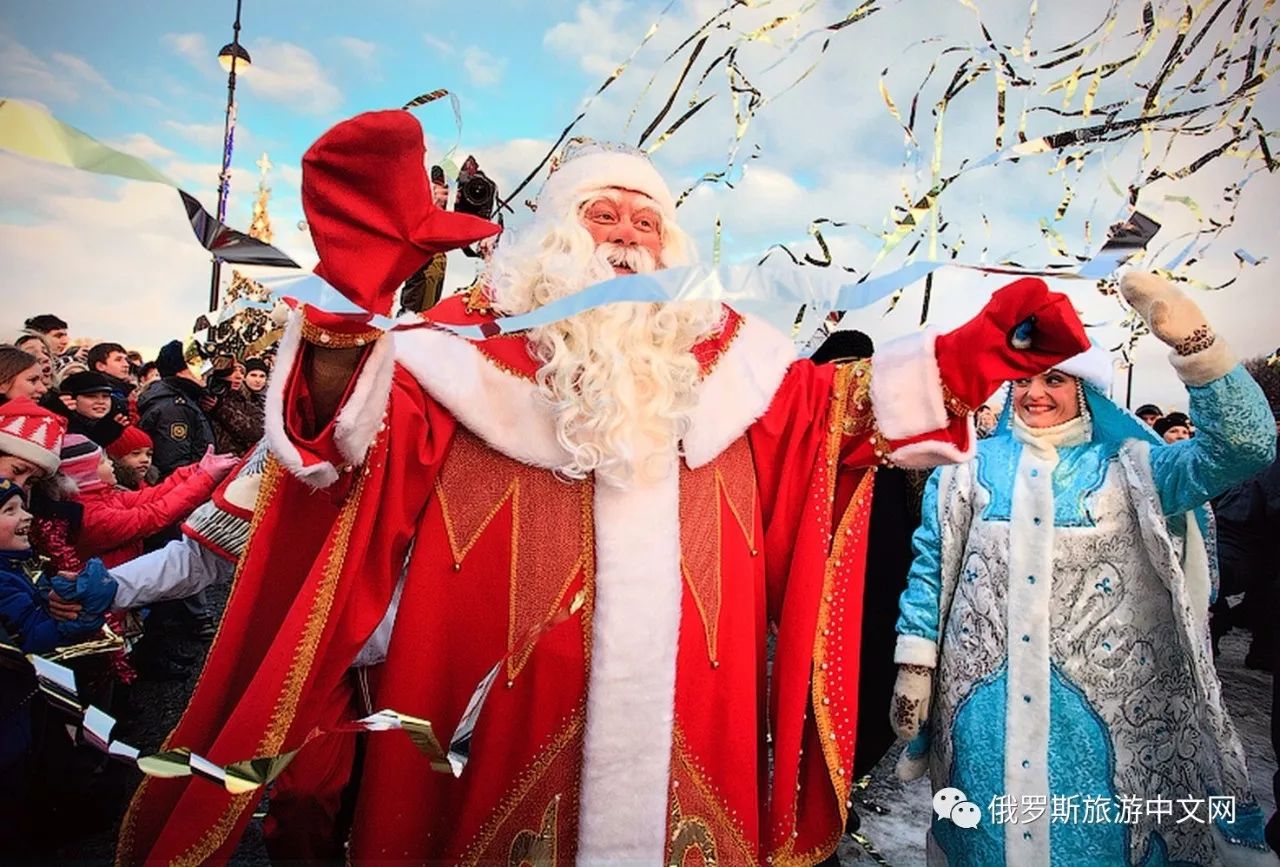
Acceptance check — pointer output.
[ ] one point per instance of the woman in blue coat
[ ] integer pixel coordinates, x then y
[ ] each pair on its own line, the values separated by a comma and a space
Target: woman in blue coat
1054, 664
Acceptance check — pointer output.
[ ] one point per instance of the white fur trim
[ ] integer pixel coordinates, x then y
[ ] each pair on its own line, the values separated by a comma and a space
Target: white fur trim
20, 447
631, 686
1031, 530
926, 454
909, 767
1094, 366
361, 416
916, 650
738, 390
1195, 569
906, 387
1203, 367
502, 409
319, 475
599, 170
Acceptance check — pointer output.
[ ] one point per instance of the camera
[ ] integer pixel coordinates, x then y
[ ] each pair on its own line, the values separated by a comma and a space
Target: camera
477, 194
218, 382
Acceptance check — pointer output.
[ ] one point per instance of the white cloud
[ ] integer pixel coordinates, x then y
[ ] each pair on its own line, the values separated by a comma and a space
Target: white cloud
192, 47
81, 70
595, 37
290, 75
120, 264
363, 52
209, 135
361, 49
63, 78
483, 69
440, 46
142, 145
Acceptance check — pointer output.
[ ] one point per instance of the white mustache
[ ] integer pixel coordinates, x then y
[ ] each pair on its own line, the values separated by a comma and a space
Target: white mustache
638, 259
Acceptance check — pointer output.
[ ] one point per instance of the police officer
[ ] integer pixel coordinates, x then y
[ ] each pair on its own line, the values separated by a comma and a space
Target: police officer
170, 411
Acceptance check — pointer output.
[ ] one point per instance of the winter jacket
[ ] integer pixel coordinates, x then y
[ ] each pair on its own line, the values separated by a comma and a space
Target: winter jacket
116, 520
102, 431
25, 617
237, 421
170, 412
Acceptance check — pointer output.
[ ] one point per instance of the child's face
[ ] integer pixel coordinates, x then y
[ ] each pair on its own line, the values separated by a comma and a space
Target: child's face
106, 472
15, 523
137, 462
93, 406
20, 471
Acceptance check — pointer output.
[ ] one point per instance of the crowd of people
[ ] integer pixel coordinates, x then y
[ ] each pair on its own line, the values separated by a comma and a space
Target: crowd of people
102, 456
679, 482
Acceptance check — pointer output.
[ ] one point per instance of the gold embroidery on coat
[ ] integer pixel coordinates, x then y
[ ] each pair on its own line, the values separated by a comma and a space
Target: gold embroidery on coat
475, 483
690, 834
732, 473
537, 848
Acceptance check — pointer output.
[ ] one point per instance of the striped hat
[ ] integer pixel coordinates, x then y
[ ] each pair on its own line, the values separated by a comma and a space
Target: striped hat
80, 459
31, 432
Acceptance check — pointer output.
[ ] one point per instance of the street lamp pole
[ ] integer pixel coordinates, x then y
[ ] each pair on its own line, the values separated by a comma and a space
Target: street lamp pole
230, 55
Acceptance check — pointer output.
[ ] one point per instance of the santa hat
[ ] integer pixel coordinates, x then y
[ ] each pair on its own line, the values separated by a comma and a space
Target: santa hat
131, 439
586, 164
367, 198
31, 432
80, 459
1093, 366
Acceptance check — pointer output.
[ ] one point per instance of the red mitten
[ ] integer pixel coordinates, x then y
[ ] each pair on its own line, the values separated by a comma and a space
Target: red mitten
368, 202
1024, 330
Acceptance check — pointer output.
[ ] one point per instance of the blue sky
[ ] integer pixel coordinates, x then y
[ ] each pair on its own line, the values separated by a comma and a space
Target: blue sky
143, 77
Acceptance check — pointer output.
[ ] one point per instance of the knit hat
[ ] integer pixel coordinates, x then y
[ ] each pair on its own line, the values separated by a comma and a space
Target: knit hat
252, 364
85, 382
80, 459
31, 432
171, 361
1163, 424
8, 490
1148, 409
131, 439
586, 164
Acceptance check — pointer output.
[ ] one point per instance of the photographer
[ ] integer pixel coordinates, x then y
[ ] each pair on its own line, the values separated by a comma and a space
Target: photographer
171, 412
237, 417
476, 194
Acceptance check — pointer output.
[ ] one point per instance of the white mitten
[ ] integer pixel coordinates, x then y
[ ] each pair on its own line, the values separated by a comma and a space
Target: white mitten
1168, 312
1198, 355
911, 693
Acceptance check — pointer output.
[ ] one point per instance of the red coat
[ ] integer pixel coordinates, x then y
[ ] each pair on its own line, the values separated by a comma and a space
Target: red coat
754, 531
116, 520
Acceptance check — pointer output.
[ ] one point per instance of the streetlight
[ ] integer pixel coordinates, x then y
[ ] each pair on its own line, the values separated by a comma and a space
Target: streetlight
233, 56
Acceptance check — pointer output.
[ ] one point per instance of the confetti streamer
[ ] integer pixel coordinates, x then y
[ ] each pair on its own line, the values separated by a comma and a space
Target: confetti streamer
32, 133
58, 684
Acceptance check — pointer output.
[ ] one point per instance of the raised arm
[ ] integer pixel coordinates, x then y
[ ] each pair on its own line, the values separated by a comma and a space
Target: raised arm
1235, 434
912, 404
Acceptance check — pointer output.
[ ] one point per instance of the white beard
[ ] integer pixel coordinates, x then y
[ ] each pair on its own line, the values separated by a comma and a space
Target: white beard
621, 379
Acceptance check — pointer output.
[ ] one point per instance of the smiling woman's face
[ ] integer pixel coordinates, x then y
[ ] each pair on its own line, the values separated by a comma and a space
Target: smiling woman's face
1046, 400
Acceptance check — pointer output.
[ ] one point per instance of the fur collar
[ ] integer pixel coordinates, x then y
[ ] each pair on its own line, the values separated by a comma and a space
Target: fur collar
489, 387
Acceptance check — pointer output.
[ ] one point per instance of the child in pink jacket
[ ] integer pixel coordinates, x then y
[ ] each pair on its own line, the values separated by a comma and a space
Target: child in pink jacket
116, 520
